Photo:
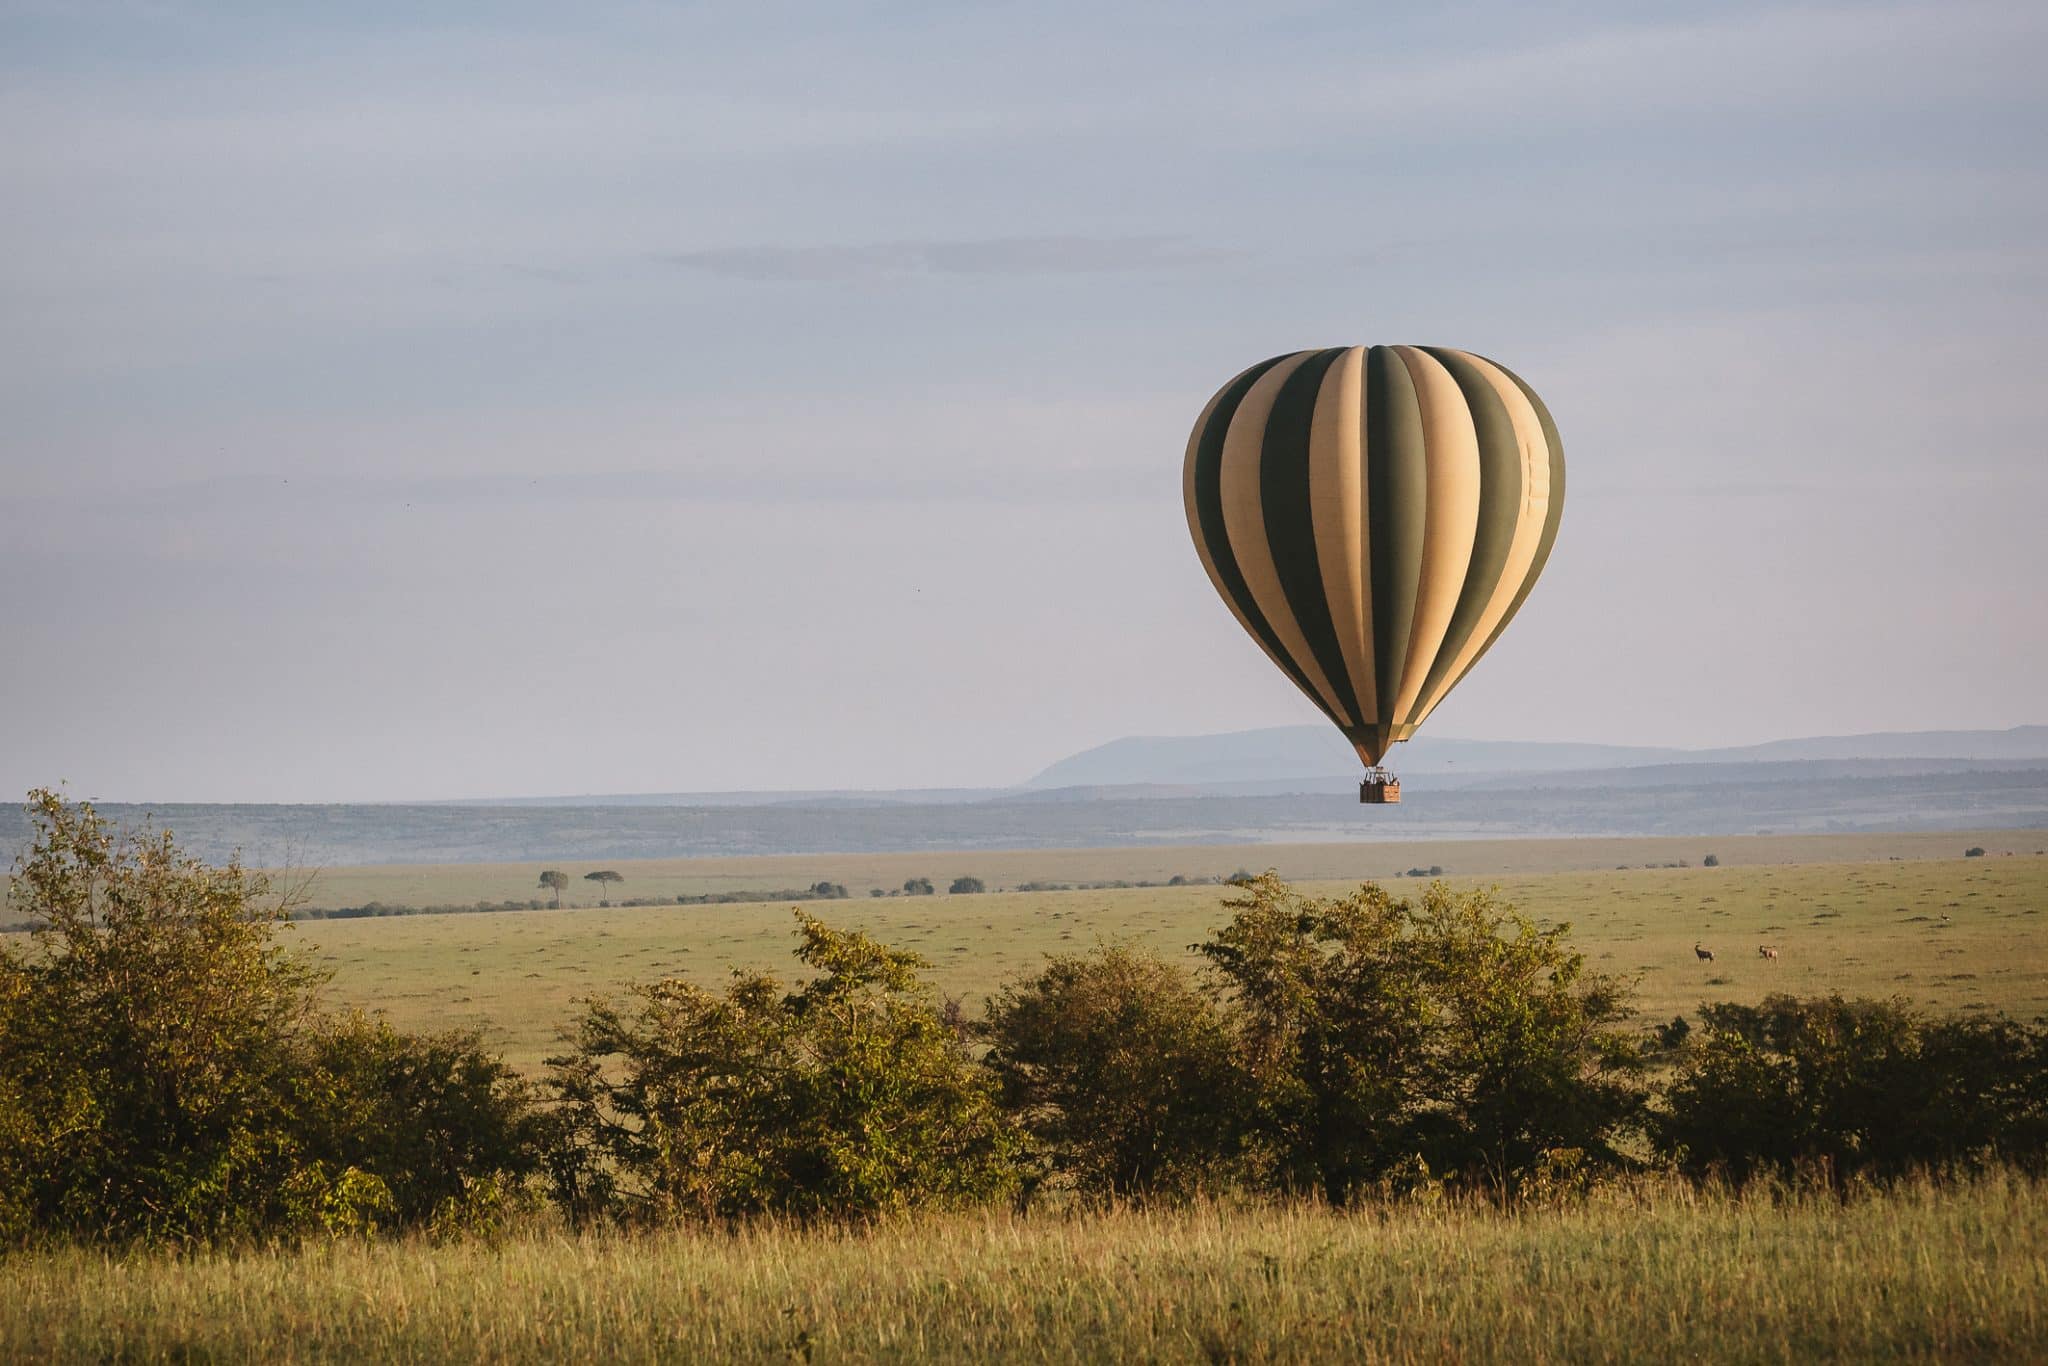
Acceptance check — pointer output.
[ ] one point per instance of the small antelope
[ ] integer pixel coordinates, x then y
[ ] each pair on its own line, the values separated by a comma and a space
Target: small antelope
1704, 955
1766, 951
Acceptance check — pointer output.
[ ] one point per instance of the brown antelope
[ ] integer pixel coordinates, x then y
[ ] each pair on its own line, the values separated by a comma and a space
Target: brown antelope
1766, 951
1704, 955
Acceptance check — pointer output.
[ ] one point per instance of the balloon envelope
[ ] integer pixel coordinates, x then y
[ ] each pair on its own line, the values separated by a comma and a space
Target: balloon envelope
1374, 517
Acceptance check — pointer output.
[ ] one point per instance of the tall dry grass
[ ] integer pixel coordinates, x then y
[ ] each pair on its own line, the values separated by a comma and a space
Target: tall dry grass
1644, 1271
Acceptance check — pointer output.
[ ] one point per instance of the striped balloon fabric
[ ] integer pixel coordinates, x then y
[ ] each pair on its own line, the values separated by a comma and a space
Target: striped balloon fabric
1375, 517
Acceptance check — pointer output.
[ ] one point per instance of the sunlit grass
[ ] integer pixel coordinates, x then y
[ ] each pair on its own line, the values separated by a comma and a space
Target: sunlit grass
1649, 1271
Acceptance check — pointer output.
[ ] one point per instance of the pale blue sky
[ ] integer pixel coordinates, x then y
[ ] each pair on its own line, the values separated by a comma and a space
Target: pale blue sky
437, 400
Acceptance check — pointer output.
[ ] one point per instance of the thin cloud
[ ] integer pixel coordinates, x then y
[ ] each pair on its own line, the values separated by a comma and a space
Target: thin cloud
989, 256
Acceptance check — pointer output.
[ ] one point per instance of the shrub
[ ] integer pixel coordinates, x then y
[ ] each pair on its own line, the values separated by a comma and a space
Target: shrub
1974, 851
966, 886
1711, 861
146, 1041
1526, 1056
1373, 1033
848, 1095
1850, 1088
164, 1071
1121, 1070
1330, 1031
918, 886
434, 1117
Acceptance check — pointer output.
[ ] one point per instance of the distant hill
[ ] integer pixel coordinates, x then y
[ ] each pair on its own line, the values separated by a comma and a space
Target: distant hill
1315, 754
1794, 796
1293, 783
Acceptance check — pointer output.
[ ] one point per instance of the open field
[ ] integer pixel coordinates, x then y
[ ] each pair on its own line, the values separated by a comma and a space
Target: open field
1865, 928
1650, 1272
427, 884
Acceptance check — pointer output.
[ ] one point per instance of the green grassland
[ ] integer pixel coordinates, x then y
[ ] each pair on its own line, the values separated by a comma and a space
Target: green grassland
1869, 927
440, 884
1649, 1272
1646, 1268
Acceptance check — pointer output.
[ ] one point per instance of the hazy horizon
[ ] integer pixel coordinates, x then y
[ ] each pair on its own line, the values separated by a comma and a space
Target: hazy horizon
413, 403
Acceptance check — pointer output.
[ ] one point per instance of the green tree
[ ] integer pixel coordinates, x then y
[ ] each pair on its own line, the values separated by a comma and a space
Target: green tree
437, 1119
165, 1072
848, 1095
1526, 1053
966, 886
918, 886
604, 878
1374, 1032
145, 1042
1120, 1068
556, 881
1846, 1088
1332, 1023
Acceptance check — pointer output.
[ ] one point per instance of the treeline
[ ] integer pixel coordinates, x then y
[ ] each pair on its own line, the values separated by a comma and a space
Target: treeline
817, 891
823, 891
167, 1073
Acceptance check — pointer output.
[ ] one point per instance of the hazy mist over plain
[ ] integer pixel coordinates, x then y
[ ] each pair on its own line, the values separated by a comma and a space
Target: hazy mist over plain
412, 401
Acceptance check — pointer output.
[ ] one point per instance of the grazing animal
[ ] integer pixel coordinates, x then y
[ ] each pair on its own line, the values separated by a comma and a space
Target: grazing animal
1766, 951
1704, 955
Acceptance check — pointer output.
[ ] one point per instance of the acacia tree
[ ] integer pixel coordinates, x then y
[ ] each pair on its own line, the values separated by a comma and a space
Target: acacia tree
555, 881
604, 878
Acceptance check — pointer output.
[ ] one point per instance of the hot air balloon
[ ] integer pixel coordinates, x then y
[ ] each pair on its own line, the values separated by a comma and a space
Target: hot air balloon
1374, 517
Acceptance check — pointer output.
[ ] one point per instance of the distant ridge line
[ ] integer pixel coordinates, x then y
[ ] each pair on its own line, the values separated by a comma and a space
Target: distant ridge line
1317, 751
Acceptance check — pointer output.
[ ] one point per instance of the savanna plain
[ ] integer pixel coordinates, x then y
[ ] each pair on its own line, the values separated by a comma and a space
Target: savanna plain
1866, 915
1643, 1268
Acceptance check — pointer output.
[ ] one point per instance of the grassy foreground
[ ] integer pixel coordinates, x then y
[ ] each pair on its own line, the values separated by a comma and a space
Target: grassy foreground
1645, 1272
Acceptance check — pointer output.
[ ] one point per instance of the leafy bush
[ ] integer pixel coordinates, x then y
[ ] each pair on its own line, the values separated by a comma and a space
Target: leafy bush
165, 1072
918, 886
1849, 1088
1374, 1033
1527, 1056
1974, 851
1711, 861
432, 1116
847, 1095
966, 886
146, 1041
1120, 1068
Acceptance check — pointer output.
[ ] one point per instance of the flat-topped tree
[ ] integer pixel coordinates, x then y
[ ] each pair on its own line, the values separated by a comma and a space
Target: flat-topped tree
603, 877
